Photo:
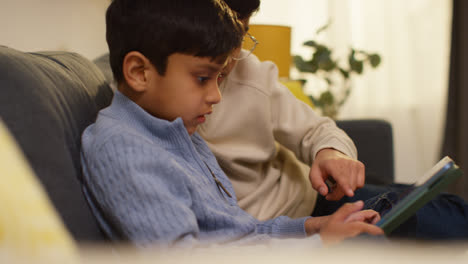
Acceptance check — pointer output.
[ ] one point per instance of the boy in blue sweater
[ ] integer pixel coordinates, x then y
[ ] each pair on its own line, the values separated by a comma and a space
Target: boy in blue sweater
148, 176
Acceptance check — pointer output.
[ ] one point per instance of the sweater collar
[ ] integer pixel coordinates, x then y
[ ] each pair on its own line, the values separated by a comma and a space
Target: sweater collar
136, 118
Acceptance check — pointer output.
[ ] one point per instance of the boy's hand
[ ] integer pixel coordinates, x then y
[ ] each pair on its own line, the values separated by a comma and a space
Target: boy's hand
347, 172
347, 222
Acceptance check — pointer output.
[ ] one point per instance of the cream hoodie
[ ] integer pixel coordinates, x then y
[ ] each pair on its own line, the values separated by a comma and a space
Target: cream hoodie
260, 133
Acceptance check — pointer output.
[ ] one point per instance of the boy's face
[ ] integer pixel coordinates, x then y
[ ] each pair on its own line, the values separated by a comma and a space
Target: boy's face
188, 89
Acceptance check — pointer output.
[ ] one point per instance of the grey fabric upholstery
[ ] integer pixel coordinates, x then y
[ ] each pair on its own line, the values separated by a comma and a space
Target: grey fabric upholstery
46, 101
104, 65
374, 141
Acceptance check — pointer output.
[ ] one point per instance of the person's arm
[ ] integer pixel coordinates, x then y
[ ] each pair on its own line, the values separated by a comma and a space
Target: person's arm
316, 141
284, 227
300, 129
141, 195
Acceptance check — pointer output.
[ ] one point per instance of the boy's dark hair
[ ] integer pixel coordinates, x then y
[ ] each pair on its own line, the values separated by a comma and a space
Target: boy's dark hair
159, 28
244, 8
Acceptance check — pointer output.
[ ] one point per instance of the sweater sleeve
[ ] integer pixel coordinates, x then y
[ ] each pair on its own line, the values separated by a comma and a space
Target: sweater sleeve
142, 196
299, 128
283, 227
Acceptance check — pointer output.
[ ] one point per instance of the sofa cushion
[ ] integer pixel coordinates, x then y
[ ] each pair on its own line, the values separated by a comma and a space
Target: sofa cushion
374, 141
104, 65
47, 100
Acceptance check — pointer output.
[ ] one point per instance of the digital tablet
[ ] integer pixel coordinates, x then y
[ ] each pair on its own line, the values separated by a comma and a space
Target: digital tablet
427, 187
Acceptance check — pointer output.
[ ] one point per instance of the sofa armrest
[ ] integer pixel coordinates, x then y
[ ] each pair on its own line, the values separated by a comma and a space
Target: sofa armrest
374, 141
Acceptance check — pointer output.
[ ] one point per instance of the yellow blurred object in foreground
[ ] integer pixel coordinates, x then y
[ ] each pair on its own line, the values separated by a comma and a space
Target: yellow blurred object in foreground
30, 229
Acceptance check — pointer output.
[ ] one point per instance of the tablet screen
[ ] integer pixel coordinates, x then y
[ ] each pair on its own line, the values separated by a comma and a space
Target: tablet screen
427, 187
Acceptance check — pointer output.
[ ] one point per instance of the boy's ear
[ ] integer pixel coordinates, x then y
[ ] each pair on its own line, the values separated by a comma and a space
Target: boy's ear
135, 70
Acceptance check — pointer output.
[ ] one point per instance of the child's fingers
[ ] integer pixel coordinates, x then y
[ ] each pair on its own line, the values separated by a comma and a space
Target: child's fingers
361, 227
349, 230
356, 228
368, 216
346, 210
374, 219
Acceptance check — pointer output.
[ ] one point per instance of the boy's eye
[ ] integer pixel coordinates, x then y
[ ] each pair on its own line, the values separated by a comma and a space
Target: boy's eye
203, 79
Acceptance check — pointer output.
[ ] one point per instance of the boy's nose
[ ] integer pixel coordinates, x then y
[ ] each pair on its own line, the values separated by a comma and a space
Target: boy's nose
214, 96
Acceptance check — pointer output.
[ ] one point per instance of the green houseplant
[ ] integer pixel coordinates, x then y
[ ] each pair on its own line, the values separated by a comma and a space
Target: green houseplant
334, 72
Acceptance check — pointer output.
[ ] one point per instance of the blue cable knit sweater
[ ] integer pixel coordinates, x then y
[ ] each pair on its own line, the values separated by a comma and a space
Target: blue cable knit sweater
148, 181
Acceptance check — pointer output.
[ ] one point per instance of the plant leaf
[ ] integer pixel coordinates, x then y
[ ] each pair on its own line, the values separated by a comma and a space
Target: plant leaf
311, 43
327, 98
324, 60
304, 66
326, 65
374, 60
324, 27
354, 64
357, 66
344, 72
315, 101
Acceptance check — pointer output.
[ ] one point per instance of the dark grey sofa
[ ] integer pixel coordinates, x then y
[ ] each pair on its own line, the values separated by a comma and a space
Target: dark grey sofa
374, 140
48, 98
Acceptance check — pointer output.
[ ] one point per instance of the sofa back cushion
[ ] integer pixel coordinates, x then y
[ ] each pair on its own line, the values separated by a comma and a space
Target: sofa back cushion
374, 141
47, 99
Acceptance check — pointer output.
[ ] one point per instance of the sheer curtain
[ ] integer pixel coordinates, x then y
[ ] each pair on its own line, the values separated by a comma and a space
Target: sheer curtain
409, 88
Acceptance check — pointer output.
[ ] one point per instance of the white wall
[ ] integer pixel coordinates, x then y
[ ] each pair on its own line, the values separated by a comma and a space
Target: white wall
72, 25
